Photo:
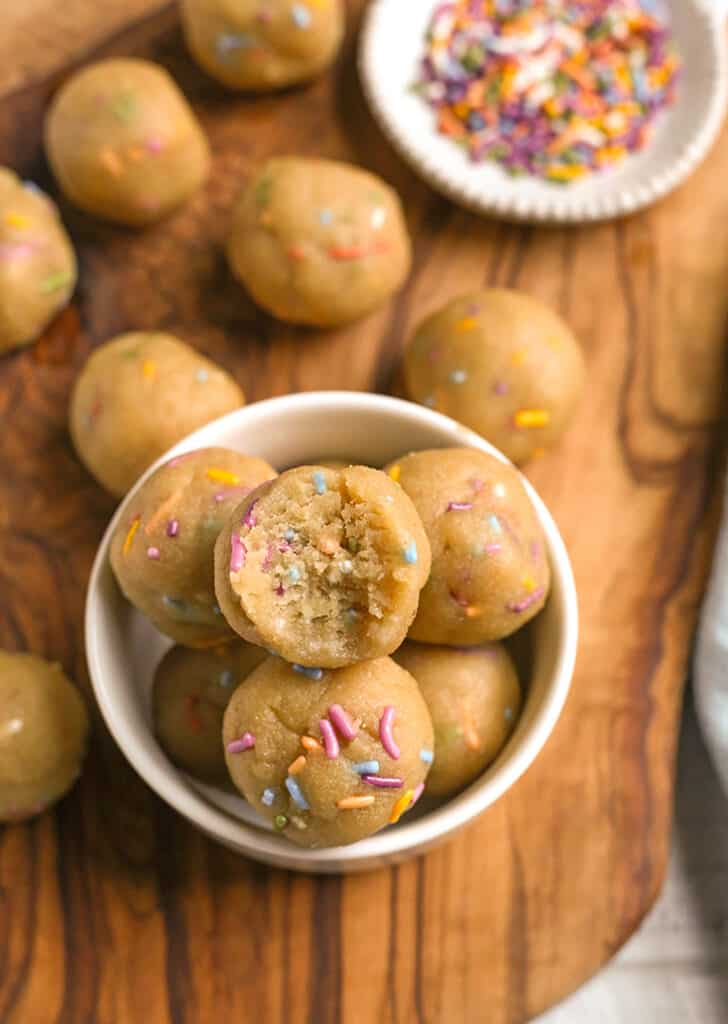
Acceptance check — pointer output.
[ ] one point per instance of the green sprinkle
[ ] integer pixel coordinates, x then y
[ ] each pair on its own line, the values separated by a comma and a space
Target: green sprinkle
55, 281
263, 192
125, 106
280, 821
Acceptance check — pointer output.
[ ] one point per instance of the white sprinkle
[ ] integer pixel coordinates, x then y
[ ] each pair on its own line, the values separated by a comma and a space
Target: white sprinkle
379, 215
458, 376
301, 15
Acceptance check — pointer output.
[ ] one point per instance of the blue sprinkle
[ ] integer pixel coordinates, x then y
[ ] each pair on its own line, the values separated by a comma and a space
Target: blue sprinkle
326, 216
427, 756
268, 797
226, 678
217, 610
301, 15
410, 553
228, 42
310, 673
202, 376
508, 714
494, 523
290, 534
458, 376
352, 615
175, 603
366, 767
30, 186
294, 574
296, 794
319, 482
430, 401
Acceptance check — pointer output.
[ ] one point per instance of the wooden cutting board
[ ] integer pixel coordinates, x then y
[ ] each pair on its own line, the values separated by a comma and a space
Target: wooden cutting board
112, 909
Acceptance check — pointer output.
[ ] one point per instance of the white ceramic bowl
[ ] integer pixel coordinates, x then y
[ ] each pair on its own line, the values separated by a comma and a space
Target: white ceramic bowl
123, 648
392, 43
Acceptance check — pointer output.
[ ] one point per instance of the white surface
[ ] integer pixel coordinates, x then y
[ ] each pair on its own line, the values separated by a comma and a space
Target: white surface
122, 647
675, 969
392, 43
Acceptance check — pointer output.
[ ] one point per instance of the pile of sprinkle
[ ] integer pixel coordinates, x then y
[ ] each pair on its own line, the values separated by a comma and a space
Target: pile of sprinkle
557, 89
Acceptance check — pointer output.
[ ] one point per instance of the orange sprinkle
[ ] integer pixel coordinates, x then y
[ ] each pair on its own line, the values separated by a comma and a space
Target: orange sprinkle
344, 252
472, 611
222, 476
472, 740
309, 743
16, 220
149, 369
351, 803
401, 806
110, 160
135, 153
468, 324
518, 357
532, 418
394, 473
538, 453
297, 253
297, 766
130, 535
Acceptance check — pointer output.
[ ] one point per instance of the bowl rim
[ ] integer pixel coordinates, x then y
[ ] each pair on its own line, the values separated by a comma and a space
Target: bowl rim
408, 838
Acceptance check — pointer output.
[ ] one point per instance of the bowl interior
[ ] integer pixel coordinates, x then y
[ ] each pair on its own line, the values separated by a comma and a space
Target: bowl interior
124, 648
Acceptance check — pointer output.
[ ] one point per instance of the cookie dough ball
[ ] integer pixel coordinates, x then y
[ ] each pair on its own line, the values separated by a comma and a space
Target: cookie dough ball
43, 734
318, 242
162, 548
138, 395
123, 142
191, 691
503, 364
323, 566
263, 44
490, 574
37, 262
333, 758
474, 699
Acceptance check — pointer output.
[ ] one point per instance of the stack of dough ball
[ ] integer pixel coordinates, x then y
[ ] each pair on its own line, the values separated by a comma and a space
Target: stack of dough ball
318, 242
263, 44
474, 698
123, 142
323, 566
162, 548
43, 734
490, 574
37, 262
191, 691
333, 759
503, 364
137, 396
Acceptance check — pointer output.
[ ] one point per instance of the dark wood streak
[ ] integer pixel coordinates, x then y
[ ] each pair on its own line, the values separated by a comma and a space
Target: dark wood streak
518, 996
420, 939
326, 981
177, 960
392, 950
14, 987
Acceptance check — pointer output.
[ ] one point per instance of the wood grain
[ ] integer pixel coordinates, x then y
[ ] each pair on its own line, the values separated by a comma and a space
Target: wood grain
113, 909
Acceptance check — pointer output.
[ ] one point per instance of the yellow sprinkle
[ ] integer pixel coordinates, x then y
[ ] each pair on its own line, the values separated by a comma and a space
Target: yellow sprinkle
468, 324
529, 584
350, 803
309, 743
16, 220
538, 453
472, 611
149, 369
472, 740
394, 473
110, 160
401, 806
222, 476
568, 173
135, 153
532, 417
297, 766
518, 357
130, 535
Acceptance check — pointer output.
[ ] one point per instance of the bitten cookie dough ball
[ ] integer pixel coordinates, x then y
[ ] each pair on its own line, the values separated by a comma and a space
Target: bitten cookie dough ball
318, 242
191, 691
503, 364
263, 44
162, 548
333, 759
37, 262
138, 395
474, 699
43, 734
490, 574
323, 566
123, 142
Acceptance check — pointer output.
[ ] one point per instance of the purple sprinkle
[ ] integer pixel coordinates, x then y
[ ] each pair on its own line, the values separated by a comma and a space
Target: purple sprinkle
459, 506
246, 742
526, 602
250, 520
342, 722
237, 553
500, 387
331, 743
172, 527
419, 790
382, 782
153, 553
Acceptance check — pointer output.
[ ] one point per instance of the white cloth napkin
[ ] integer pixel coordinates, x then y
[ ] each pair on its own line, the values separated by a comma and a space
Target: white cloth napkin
711, 657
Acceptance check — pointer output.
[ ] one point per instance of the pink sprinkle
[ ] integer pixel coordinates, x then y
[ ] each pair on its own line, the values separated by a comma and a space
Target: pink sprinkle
382, 782
473, 309
500, 387
250, 519
419, 790
459, 506
153, 144
535, 550
153, 553
284, 546
246, 742
268, 560
492, 549
342, 722
526, 602
228, 494
279, 590
172, 527
385, 733
477, 484
14, 250
433, 355
331, 743
462, 601
238, 552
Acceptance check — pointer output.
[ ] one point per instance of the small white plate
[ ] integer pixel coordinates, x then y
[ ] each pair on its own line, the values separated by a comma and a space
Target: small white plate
392, 44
